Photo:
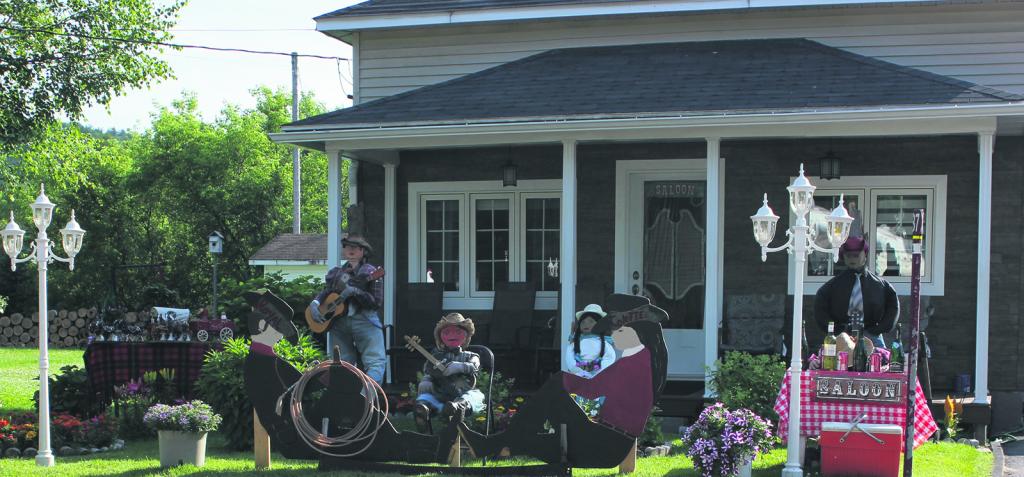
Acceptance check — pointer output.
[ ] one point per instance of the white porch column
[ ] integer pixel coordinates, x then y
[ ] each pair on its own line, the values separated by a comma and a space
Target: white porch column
713, 257
986, 142
333, 208
390, 242
568, 245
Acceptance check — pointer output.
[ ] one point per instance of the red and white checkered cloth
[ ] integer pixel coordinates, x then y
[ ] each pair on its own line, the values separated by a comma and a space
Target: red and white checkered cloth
813, 412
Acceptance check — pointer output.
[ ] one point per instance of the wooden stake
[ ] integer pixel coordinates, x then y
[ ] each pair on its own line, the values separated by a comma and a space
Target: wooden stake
628, 465
261, 443
455, 453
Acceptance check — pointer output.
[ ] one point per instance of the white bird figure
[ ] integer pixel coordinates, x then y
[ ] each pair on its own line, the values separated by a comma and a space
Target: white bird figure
430, 276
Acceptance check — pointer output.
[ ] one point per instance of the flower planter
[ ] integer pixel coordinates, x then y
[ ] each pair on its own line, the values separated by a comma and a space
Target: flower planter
177, 448
745, 469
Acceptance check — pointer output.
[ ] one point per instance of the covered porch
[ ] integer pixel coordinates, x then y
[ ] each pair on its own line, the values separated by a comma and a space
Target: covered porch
681, 132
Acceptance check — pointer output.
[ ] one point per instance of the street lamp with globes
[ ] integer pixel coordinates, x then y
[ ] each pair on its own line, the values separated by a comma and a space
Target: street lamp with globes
800, 243
71, 238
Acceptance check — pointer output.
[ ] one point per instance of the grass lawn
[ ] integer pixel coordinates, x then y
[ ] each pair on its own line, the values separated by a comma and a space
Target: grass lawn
19, 370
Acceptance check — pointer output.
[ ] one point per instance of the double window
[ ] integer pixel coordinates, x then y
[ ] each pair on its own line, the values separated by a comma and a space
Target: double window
472, 236
883, 211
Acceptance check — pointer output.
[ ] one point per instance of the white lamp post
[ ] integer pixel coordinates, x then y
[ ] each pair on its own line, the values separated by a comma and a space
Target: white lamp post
799, 244
71, 239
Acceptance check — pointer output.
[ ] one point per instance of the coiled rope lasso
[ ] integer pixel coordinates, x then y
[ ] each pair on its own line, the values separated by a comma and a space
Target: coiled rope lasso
364, 432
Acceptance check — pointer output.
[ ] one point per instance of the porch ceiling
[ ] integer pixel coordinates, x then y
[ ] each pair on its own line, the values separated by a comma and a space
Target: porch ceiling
671, 80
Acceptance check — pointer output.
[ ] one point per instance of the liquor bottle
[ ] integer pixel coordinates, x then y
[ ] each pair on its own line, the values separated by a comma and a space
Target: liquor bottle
897, 360
860, 353
828, 355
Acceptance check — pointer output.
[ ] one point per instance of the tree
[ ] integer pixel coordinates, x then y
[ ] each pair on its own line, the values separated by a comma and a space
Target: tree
59, 56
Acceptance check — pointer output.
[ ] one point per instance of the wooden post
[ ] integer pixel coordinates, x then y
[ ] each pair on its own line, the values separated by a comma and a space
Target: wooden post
261, 443
455, 453
628, 465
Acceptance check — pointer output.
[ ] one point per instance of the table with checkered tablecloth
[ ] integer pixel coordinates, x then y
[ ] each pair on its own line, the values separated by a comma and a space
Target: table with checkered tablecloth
814, 412
113, 363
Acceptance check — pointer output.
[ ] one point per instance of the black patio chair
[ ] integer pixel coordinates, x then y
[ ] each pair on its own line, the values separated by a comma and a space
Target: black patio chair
511, 332
420, 306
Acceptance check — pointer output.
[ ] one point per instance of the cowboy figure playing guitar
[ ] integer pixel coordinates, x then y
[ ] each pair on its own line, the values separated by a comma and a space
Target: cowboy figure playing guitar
449, 386
360, 330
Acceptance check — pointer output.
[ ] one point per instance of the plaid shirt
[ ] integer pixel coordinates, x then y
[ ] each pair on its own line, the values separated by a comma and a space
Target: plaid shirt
338, 279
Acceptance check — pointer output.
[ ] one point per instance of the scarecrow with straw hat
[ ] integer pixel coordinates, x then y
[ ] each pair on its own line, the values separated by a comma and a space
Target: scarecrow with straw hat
450, 388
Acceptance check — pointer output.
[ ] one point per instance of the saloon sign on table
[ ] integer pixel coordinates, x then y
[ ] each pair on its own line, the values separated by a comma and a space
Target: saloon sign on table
864, 387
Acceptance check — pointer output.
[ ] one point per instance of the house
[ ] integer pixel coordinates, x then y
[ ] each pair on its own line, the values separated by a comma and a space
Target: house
293, 255
642, 136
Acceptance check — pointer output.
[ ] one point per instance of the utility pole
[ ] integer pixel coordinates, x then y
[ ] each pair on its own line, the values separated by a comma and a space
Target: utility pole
296, 166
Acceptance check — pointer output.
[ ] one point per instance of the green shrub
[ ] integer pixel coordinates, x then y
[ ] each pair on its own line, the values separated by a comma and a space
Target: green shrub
70, 393
222, 383
652, 435
747, 381
297, 292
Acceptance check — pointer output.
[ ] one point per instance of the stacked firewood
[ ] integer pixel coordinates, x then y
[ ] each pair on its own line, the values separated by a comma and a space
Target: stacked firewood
66, 328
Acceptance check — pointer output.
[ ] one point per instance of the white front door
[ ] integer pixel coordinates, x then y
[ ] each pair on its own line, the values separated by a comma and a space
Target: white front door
661, 221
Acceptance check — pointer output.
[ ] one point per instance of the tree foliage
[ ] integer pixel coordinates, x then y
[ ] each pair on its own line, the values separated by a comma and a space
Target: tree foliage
59, 56
154, 198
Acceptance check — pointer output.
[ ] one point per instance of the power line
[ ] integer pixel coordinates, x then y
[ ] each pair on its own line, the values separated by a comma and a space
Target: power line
172, 45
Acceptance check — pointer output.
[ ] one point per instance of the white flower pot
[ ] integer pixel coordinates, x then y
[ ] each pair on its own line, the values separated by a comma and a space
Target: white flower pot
745, 469
177, 448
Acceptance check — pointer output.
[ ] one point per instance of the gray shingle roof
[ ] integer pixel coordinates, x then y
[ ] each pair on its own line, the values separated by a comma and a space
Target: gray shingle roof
398, 7
298, 247
666, 80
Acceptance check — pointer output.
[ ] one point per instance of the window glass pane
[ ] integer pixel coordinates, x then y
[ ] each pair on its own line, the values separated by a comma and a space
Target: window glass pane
451, 215
451, 246
822, 264
485, 276
484, 245
894, 227
435, 246
542, 247
484, 215
552, 218
451, 276
534, 245
442, 242
534, 213
435, 213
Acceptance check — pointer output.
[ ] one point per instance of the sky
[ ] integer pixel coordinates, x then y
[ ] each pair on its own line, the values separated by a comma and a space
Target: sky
220, 78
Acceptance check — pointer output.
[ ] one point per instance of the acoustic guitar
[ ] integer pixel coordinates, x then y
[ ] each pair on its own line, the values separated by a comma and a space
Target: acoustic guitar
413, 344
333, 306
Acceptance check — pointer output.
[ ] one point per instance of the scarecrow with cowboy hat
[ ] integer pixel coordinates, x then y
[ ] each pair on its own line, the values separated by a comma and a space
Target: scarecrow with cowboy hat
451, 387
358, 334
857, 295
590, 352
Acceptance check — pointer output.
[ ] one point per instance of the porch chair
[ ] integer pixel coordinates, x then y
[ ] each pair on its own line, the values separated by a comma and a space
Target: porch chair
511, 332
753, 323
420, 306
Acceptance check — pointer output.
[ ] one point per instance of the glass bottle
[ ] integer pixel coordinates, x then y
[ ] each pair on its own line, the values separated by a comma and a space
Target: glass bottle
828, 354
897, 358
860, 352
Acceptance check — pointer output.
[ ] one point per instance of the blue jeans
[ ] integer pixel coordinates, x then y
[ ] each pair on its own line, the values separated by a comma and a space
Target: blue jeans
360, 332
474, 397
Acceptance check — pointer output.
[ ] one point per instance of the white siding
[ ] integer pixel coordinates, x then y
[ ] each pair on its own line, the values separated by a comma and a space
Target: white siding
981, 43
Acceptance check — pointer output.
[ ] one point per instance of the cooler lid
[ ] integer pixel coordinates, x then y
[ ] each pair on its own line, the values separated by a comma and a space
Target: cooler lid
872, 428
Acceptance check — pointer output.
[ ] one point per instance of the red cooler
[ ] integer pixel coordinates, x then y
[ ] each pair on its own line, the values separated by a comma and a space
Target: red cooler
859, 454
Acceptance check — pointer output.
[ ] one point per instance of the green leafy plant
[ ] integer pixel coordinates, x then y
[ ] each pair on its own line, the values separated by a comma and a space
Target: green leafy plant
70, 393
222, 385
297, 292
3, 303
98, 431
652, 435
747, 381
131, 400
193, 416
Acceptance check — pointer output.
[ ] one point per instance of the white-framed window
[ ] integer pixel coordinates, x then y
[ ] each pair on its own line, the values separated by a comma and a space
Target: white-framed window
883, 212
472, 235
